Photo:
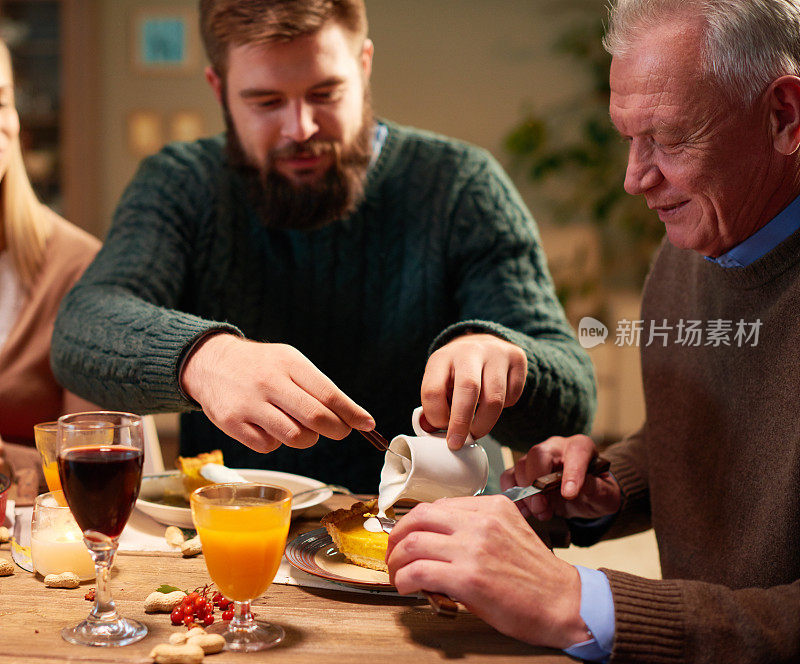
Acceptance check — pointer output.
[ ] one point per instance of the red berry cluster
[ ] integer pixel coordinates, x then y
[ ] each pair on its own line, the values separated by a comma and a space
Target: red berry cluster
198, 609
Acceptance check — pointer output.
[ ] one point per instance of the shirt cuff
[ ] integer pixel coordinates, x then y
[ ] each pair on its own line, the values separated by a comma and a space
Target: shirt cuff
585, 532
597, 611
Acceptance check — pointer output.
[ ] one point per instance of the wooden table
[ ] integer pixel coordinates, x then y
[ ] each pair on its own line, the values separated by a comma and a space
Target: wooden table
322, 626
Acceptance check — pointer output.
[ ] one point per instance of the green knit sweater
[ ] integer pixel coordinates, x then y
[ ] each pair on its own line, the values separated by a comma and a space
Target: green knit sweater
716, 468
441, 244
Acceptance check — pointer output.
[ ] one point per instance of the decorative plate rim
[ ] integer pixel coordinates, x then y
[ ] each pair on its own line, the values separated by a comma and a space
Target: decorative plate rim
182, 516
300, 554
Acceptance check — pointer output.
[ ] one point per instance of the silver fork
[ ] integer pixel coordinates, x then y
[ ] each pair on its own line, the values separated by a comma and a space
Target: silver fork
332, 487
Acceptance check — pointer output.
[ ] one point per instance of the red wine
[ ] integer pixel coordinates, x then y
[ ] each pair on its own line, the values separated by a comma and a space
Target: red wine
101, 485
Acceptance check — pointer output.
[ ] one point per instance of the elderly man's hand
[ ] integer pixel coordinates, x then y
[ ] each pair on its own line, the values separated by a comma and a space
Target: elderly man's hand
481, 552
581, 495
468, 382
266, 395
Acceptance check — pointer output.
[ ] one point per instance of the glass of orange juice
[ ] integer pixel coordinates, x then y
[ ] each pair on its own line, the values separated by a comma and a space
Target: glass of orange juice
45, 436
243, 529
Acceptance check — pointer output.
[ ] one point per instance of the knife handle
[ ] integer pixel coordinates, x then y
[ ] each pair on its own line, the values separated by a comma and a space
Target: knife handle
597, 466
442, 604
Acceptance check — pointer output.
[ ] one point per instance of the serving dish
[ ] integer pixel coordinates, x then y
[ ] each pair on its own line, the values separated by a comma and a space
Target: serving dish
161, 496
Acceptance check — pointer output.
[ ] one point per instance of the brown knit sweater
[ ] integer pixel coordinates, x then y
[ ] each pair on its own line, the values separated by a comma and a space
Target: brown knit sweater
717, 468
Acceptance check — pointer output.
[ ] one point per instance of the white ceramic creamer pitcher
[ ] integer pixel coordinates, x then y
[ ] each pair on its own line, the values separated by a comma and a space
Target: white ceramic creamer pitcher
426, 469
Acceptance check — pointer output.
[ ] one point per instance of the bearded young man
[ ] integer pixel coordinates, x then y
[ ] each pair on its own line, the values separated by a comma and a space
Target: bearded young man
313, 259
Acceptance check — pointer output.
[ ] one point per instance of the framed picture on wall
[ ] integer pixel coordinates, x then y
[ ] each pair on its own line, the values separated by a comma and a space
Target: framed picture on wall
165, 40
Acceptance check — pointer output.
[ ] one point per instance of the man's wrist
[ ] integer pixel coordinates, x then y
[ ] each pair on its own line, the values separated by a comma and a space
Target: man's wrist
193, 370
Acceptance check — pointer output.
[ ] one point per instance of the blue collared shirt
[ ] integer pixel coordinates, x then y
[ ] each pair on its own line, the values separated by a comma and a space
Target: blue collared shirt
597, 603
764, 240
597, 611
378, 139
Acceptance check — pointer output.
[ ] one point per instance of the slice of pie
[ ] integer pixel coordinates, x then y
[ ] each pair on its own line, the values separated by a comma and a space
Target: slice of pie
360, 546
190, 469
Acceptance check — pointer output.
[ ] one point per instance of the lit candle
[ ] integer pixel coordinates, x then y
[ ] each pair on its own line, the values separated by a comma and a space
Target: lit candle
57, 542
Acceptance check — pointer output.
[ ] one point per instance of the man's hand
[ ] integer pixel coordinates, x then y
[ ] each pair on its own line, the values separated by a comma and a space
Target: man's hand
468, 382
267, 395
581, 495
481, 552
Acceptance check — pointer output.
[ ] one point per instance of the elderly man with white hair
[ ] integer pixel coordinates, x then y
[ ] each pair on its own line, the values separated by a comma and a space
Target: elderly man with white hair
707, 95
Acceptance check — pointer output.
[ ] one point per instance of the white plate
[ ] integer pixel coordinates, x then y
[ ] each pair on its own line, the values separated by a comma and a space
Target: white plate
170, 483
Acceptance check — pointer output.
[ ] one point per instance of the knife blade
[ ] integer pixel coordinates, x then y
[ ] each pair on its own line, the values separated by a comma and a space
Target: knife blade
597, 466
20, 553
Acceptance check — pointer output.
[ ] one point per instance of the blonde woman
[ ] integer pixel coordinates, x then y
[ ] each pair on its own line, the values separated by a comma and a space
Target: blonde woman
41, 257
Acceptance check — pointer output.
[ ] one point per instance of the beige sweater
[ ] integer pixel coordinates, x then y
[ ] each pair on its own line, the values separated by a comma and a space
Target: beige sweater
717, 467
28, 391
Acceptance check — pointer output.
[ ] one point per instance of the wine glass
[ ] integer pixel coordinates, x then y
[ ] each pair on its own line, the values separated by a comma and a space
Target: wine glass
243, 529
100, 458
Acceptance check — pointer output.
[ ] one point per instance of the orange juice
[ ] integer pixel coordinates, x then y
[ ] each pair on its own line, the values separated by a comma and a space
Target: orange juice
45, 436
242, 544
51, 476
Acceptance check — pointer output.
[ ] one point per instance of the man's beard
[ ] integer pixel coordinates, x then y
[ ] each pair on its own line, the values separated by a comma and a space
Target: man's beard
282, 203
